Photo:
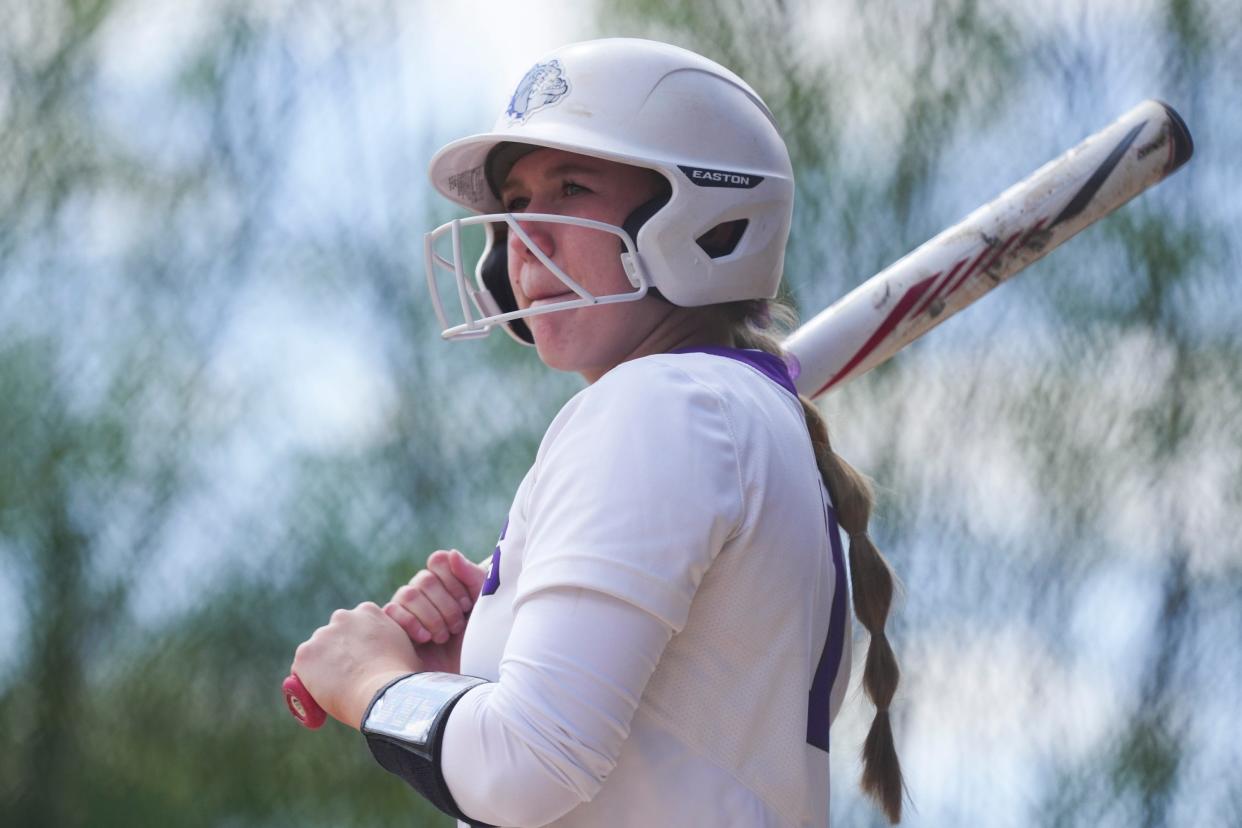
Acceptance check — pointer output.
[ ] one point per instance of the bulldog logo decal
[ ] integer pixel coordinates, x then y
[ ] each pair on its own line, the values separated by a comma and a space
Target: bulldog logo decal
543, 85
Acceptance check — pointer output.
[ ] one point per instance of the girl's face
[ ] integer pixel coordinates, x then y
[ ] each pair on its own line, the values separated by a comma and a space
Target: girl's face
591, 340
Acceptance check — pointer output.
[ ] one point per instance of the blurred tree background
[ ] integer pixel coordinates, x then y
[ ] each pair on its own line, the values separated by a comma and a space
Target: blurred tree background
225, 409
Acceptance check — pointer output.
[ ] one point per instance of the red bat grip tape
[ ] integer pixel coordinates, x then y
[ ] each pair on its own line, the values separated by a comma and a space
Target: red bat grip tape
302, 704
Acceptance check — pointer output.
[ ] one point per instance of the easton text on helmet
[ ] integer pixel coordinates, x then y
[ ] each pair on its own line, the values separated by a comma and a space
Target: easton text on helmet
720, 178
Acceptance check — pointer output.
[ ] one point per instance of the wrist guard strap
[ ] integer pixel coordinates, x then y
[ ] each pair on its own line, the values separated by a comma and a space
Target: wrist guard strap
404, 726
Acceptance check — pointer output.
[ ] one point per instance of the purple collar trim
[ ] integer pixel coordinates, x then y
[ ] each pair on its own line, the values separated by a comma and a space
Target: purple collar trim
771, 366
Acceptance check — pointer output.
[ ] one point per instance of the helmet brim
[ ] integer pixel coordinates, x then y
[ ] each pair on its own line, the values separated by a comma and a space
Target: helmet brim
459, 171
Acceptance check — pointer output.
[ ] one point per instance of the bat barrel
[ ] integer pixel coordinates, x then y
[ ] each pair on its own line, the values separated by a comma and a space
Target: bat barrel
1019, 227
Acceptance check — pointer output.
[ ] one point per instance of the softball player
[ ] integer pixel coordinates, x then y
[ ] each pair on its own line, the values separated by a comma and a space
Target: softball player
661, 635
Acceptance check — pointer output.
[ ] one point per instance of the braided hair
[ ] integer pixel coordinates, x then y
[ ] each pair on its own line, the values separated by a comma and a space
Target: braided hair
871, 579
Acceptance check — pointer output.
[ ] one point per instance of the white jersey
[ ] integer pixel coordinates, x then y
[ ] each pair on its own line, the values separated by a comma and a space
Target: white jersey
665, 624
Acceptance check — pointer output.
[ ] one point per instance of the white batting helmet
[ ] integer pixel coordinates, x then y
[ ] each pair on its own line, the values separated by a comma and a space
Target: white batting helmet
717, 235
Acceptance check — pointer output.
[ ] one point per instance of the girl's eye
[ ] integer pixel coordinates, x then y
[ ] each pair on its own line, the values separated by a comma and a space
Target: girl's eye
573, 188
516, 204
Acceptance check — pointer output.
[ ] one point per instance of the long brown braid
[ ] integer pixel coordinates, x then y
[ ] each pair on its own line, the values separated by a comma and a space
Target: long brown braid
871, 578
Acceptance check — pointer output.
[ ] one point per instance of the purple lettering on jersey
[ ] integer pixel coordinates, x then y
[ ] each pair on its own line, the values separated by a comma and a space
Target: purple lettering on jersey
820, 703
492, 582
770, 365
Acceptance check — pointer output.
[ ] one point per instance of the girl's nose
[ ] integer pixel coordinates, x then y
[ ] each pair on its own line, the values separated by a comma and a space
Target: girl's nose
539, 235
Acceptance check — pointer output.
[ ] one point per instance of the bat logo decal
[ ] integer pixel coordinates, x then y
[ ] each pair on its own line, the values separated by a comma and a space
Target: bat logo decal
1083, 197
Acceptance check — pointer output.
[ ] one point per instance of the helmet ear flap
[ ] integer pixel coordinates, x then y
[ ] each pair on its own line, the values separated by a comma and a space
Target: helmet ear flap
493, 273
638, 217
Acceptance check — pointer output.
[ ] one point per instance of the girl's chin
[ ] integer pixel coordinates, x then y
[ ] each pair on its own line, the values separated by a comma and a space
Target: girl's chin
555, 349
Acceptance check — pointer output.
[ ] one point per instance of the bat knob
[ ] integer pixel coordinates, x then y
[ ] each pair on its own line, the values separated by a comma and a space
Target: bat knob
302, 704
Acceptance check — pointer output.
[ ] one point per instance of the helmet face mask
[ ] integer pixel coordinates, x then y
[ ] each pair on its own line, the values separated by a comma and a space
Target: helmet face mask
716, 235
491, 297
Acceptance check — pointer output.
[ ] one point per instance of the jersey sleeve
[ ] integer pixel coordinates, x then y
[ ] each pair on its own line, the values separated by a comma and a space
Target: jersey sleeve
638, 487
527, 749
